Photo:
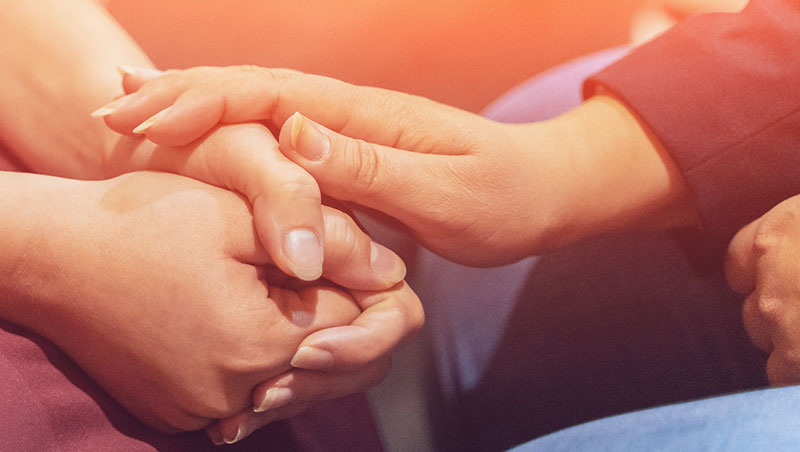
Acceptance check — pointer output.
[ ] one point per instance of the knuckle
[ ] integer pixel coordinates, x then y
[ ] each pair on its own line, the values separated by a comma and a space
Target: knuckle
362, 159
776, 225
300, 186
341, 233
770, 308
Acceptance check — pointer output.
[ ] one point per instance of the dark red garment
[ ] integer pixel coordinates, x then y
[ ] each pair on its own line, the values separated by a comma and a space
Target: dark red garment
722, 92
47, 403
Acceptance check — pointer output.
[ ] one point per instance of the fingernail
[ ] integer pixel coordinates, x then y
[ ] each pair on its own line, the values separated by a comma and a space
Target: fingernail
304, 251
109, 108
275, 398
102, 111
241, 432
146, 72
151, 121
312, 358
309, 139
385, 263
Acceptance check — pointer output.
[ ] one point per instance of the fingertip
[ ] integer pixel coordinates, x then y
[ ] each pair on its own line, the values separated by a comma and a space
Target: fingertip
304, 252
151, 121
192, 115
214, 433
272, 398
306, 138
313, 358
138, 75
386, 264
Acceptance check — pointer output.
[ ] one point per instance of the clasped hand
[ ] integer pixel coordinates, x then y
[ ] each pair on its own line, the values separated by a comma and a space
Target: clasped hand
350, 354
181, 312
763, 264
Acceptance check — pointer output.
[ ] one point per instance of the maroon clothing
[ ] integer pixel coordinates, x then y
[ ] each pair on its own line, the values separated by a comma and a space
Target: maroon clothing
722, 93
47, 403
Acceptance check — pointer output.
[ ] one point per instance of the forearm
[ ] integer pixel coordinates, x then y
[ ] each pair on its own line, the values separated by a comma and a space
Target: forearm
59, 60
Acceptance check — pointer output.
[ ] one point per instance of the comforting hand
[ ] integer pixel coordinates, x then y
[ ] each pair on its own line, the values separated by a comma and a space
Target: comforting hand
473, 190
158, 287
463, 190
763, 264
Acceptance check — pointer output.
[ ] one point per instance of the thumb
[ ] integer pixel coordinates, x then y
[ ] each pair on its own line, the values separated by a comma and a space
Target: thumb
393, 181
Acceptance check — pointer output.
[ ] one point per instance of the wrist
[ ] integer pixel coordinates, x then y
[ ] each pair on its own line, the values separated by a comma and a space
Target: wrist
29, 235
619, 176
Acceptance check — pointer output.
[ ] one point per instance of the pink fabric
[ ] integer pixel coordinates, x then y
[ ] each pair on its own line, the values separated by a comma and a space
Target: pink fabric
49, 404
7, 162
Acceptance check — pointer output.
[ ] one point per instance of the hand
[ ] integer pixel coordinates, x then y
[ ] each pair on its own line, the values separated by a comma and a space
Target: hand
157, 286
285, 198
292, 392
470, 189
425, 190
762, 264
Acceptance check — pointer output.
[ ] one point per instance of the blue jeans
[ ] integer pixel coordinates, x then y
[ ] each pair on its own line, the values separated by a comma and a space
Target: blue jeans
764, 420
614, 325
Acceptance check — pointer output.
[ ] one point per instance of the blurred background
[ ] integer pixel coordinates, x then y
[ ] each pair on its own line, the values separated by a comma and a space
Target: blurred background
461, 52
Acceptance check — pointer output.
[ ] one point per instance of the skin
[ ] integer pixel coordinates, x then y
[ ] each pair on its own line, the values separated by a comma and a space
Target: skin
762, 265
657, 16
219, 317
462, 183
450, 176
61, 61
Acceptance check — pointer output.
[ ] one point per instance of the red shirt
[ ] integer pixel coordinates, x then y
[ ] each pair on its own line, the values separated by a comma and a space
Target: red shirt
722, 92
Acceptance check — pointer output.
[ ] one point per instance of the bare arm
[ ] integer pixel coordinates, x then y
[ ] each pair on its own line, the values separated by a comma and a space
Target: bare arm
58, 59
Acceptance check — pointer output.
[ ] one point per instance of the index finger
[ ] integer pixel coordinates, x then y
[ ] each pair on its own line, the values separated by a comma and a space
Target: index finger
249, 93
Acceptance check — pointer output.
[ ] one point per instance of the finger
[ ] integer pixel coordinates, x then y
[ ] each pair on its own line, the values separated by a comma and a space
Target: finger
741, 263
783, 368
233, 429
192, 114
196, 99
304, 386
291, 393
369, 174
376, 115
758, 327
353, 260
389, 319
123, 115
286, 201
134, 77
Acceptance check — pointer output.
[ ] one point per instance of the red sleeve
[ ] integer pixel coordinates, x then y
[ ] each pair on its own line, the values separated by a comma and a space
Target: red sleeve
722, 93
